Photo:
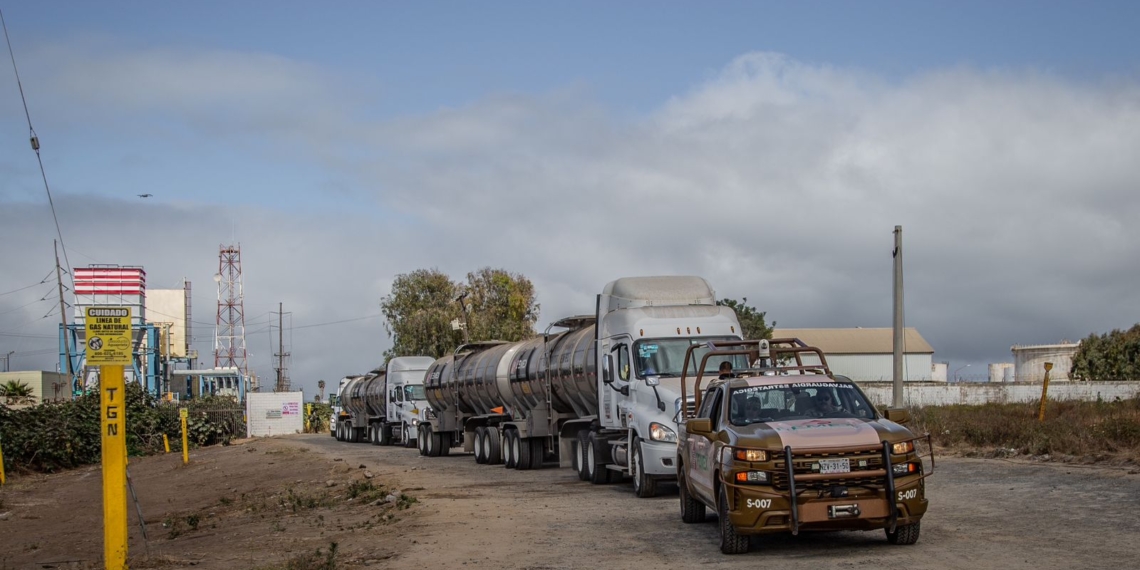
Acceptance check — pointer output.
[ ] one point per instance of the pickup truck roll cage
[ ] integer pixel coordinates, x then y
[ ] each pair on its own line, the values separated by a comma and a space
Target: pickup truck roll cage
778, 350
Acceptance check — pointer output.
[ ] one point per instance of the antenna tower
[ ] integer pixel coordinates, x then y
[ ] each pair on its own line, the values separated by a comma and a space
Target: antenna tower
229, 335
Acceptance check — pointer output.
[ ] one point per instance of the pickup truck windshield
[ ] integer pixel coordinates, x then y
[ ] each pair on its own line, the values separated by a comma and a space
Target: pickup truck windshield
665, 357
797, 401
414, 392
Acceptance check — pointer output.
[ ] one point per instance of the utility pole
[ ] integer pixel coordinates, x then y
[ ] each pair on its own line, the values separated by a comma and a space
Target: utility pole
282, 384
462, 298
7, 361
899, 331
63, 312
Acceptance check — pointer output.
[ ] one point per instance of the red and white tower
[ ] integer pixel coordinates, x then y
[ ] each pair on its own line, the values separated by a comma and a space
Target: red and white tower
229, 335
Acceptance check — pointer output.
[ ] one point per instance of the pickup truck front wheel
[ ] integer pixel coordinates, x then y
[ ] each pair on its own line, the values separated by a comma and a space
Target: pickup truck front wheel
731, 542
904, 534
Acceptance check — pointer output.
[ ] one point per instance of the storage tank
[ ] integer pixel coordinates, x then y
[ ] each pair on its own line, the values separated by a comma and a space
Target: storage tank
1029, 361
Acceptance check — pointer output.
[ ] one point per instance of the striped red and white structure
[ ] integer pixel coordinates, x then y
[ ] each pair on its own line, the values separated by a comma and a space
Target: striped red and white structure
115, 285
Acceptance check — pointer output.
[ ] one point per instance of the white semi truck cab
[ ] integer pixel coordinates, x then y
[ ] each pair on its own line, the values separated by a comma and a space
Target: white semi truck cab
385, 406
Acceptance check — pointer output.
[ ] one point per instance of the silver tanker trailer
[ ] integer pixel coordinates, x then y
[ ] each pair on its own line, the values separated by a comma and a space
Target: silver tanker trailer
385, 406
523, 403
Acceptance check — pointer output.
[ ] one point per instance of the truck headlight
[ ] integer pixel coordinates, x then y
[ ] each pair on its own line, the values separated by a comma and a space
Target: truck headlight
415, 422
753, 477
905, 468
659, 432
751, 455
901, 448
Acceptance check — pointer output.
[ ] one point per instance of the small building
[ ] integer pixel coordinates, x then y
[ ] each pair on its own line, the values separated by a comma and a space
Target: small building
868, 354
1029, 361
46, 386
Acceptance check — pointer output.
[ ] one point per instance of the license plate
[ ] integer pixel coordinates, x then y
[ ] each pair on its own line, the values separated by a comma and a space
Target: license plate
834, 465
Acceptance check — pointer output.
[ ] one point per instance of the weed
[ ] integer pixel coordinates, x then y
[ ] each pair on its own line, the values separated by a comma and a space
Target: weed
364, 491
309, 561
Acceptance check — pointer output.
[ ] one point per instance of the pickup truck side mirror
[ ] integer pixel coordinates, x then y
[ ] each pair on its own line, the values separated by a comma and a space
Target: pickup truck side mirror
897, 415
699, 425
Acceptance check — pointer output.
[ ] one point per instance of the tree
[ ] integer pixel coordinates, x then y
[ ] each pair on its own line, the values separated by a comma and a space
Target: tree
1110, 356
16, 392
422, 305
502, 305
418, 313
751, 321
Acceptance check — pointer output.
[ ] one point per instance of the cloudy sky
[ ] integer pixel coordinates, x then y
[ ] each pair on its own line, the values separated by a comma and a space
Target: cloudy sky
769, 148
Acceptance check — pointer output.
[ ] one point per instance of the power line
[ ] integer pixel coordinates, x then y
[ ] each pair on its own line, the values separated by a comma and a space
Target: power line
42, 281
35, 140
339, 322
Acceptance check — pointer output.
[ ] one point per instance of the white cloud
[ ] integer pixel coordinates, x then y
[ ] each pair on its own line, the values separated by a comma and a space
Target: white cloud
777, 180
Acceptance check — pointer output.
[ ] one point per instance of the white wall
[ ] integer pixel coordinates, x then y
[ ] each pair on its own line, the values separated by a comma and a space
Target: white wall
938, 394
274, 413
879, 367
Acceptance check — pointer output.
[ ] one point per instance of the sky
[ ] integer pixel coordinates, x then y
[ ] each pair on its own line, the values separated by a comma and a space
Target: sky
768, 147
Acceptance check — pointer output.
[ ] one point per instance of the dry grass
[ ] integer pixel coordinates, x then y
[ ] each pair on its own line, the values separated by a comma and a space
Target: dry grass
1089, 431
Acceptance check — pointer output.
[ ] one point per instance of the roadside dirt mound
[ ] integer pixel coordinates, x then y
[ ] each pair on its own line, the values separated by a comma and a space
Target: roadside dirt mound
256, 504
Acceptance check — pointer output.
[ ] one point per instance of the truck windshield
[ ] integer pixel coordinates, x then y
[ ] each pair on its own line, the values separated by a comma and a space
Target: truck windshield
665, 357
414, 392
797, 401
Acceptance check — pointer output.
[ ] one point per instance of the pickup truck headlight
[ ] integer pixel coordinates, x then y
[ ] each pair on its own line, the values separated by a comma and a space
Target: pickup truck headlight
901, 448
659, 432
905, 468
751, 455
753, 477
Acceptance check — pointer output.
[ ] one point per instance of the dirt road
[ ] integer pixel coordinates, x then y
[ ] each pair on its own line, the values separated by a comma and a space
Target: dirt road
267, 501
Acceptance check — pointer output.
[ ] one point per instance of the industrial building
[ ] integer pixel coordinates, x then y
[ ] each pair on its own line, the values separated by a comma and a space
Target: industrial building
45, 386
867, 354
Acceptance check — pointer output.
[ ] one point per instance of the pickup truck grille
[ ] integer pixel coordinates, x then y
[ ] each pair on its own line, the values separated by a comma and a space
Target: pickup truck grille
805, 463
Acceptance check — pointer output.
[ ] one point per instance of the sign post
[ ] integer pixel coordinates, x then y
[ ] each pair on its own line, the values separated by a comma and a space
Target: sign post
109, 348
182, 415
1044, 392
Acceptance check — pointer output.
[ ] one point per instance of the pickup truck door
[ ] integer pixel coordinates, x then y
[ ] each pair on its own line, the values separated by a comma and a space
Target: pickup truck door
702, 457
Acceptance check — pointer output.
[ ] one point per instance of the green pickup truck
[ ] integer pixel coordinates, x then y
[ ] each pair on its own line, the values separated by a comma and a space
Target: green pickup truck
785, 446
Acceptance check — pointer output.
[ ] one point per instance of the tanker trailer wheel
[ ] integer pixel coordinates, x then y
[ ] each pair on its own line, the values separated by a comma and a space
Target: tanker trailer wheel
537, 452
509, 438
731, 542
520, 448
596, 471
582, 442
904, 534
644, 486
372, 435
409, 441
492, 446
574, 463
421, 441
480, 433
384, 434
435, 443
443, 443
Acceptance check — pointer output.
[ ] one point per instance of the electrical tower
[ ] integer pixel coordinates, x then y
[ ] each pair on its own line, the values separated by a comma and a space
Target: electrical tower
229, 336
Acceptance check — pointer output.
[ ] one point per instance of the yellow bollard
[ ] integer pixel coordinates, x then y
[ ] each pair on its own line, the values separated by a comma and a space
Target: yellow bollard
1044, 392
112, 393
184, 413
166, 443
3, 479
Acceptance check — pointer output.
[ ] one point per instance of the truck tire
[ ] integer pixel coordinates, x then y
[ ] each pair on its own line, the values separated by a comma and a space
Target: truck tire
431, 443
904, 534
596, 471
574, 455
421, 440
509, 437
409, 441
384, 434
493, 447
731, 542
644, 486
692, 509
537, 452
441, 442
480, 433
583, 474
522, 452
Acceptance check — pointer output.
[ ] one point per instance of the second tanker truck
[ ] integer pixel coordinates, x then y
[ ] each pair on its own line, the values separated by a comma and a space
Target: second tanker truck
527, 402
386, 405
